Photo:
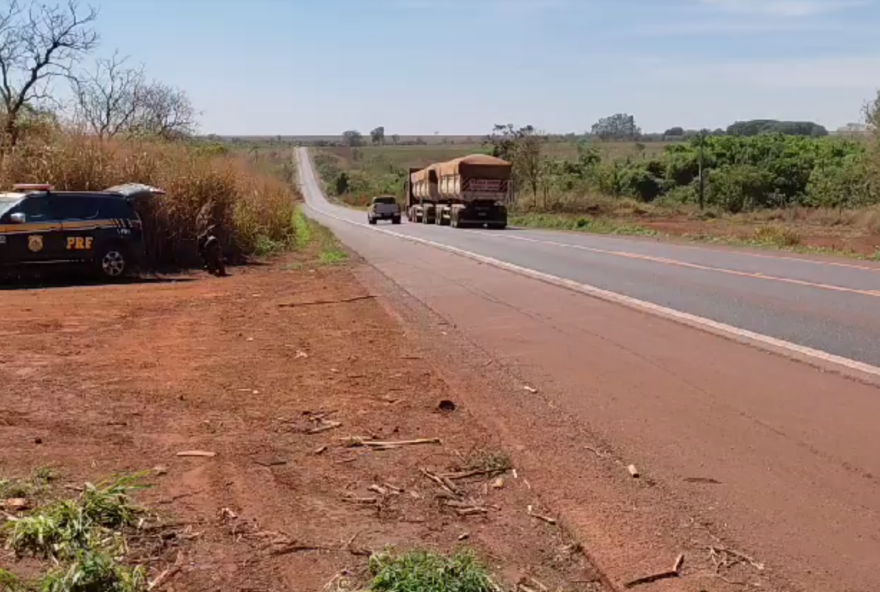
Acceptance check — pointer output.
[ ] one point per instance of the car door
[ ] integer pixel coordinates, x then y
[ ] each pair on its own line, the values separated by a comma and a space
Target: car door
82, 220
38, 238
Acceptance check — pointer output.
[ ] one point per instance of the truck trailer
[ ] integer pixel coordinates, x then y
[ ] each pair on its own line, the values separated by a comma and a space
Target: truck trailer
470, 191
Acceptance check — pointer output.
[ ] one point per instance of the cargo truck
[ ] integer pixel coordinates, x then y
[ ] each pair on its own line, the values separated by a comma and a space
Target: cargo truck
472, 190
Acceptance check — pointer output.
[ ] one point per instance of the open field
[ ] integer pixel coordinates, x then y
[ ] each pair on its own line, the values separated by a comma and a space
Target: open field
841, 230
379, 158
285, 376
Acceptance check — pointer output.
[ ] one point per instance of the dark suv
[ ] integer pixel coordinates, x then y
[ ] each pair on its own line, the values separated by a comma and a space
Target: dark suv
96, 229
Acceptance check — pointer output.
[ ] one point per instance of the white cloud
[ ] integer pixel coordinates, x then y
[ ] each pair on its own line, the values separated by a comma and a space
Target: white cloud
785, 8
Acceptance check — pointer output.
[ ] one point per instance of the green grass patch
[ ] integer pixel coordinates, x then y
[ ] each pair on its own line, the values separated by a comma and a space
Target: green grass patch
313, 235
302, 229
36, 485
83, 539
423, 571
580, 223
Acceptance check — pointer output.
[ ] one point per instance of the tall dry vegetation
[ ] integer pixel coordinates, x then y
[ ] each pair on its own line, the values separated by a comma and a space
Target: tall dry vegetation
122, 126
252, 209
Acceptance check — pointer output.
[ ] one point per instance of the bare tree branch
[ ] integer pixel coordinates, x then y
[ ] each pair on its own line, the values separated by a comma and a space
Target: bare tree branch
39, 44
107, 98
164, 111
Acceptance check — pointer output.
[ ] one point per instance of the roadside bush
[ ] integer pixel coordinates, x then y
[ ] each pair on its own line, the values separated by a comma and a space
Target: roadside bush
740, 188
248, 206
642, 179
844, 184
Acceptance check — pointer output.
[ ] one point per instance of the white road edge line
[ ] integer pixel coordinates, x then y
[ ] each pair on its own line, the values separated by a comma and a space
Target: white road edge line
628, 301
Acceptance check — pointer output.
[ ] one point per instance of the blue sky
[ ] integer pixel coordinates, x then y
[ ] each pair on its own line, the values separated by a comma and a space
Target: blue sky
459, 66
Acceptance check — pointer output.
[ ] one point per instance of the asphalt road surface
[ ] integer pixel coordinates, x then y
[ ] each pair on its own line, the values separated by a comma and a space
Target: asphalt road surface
831, 307
777, 456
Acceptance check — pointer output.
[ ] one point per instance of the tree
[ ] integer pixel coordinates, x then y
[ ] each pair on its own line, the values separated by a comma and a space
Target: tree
617, 127
523, 148
395, 139
674, 132
163, 111
755, 127
505, 138
38, 44
377, 136
106, 99
528, 159
352, 138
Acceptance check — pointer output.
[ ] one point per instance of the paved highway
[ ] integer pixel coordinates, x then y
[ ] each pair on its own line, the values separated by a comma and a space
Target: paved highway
770, 456
829, 306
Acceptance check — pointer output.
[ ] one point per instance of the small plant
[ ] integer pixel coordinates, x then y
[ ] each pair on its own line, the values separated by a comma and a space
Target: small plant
94, 571
778, 236
62, 528
8, 582
423, 571
38, 483
14, 488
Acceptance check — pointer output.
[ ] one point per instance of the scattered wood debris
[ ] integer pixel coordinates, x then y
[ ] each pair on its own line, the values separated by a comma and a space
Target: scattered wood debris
291, 548
368, 500
633, 471
16, 504
270, 461
475, 473
546, 519
675, 572
443, 482
325, 426
469, 508
389, 445
725, 558
320, 302
197, 453
530, 389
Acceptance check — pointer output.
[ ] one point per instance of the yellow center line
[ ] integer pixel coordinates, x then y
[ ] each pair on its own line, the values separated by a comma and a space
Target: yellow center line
676, 262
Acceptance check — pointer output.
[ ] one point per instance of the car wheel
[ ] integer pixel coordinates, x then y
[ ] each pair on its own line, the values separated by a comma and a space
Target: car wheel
113, 262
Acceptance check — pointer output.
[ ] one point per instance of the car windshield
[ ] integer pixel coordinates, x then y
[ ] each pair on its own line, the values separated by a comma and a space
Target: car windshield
384, 200
6, 203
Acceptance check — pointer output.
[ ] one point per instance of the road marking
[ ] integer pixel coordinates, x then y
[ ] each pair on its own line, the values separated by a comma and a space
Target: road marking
667, 261
614, 297
783, 258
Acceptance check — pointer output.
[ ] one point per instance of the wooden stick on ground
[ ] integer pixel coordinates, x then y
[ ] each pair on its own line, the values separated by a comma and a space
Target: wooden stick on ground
444, 483
675, 572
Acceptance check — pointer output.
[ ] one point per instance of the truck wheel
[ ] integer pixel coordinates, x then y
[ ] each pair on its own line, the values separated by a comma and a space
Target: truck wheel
395, 220
371, 220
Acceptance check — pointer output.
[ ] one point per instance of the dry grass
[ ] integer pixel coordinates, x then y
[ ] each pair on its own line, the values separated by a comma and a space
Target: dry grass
250, 206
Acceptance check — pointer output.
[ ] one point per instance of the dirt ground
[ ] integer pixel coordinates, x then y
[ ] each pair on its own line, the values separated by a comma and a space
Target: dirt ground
274, 370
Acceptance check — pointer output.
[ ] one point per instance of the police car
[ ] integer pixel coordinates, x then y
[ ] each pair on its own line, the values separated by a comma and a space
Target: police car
99, 230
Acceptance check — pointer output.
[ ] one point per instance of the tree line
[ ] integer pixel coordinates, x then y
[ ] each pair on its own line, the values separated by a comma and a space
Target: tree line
623, 127
750, 165
756, 164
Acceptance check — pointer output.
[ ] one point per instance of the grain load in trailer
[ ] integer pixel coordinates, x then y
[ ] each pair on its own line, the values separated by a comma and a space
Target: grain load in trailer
423, 194
473, 190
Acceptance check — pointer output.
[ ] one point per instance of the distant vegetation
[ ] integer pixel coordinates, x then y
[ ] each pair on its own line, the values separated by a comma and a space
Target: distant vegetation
753, 165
